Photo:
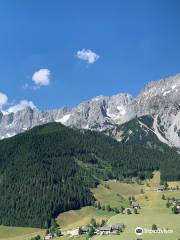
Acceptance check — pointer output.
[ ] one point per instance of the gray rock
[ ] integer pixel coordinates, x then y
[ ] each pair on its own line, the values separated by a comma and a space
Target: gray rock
159, 99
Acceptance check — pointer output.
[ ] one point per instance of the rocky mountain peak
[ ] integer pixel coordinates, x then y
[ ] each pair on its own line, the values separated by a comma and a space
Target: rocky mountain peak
160, 99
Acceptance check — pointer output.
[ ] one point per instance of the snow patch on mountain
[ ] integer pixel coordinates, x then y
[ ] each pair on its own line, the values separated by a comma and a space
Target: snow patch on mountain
122, 110
160, 99
145, 126
156, 131
173, 132
64, 119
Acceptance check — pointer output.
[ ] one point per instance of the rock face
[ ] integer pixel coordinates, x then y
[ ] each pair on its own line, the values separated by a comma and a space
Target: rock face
159, 95
159, 99
96, 114
16, 122
101, 112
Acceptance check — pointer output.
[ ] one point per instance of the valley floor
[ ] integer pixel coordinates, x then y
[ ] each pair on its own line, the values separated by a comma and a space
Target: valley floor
153, 211
19, 233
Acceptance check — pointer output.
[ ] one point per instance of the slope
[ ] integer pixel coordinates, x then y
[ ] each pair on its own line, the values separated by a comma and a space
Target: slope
140, 137
51, 168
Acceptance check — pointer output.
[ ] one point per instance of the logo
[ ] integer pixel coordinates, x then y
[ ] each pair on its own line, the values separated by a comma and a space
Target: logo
139, 231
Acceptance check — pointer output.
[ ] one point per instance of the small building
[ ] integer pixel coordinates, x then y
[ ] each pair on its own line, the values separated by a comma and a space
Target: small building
117, 227
84, 229
178, 206
48, 237
161, 188
103, 230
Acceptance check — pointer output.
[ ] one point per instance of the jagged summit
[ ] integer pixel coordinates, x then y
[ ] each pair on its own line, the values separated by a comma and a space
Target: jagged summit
159, 99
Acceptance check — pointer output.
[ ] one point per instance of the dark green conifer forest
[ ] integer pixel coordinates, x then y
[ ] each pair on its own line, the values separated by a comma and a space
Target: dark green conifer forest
51, 168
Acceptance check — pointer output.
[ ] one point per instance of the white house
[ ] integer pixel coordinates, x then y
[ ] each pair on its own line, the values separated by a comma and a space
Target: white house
48, 237
103, 230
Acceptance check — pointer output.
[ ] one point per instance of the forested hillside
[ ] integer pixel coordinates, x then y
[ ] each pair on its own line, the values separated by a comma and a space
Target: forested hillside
145, 150
51, 168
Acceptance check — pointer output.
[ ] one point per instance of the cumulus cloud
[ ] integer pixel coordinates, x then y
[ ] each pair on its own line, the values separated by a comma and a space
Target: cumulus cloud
87, 55
20, 106
42, 77
3, 99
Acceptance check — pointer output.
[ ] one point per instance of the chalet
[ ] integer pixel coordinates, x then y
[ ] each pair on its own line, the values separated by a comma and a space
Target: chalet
84, 229
178, 206
103, 230
117, 227
48, 237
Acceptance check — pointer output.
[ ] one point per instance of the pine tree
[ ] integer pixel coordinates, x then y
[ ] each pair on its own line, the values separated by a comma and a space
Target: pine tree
128, 211
154, 227
163, 197
135, 211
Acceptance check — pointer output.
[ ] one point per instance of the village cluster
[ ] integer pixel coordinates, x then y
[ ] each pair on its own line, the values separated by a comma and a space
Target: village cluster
102, 229
113, 229
93, 228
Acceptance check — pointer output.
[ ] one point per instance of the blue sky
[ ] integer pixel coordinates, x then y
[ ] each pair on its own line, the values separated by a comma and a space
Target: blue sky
85, 48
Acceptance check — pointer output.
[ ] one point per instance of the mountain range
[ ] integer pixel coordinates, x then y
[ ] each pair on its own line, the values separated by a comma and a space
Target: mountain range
160, 100
57, 156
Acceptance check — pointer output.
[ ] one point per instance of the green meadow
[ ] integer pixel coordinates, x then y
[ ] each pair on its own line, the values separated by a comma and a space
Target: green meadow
153, 211
19, 233
76, 218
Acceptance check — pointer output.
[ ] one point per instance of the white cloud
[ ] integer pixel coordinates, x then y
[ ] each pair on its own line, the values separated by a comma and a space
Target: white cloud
42, 77
20, 106
87, 55
3, 99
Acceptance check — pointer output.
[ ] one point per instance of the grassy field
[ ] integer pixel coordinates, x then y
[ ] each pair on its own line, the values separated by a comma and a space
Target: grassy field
153, 211
76, 218
108, 192
18, 233
72, 238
